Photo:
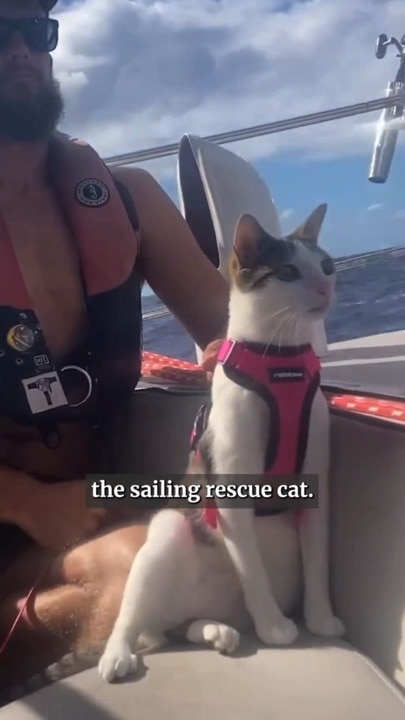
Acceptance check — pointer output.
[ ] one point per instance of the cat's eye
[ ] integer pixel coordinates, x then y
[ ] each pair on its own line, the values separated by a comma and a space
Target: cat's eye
288, 273
262, 280
328, 266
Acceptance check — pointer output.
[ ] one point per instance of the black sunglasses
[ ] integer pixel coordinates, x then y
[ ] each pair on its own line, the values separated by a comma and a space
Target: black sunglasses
40, 35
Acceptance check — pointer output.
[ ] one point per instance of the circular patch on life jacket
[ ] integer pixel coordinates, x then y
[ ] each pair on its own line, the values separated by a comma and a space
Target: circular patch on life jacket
92, 193
20, 338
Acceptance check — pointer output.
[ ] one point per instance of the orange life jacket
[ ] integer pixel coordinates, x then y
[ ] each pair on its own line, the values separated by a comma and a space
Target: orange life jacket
106, 367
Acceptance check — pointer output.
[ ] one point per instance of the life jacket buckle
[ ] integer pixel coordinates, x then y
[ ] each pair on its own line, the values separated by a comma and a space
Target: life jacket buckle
84, 372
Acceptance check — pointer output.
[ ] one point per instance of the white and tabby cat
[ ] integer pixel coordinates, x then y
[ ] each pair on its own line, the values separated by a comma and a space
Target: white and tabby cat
209, 585
251, 572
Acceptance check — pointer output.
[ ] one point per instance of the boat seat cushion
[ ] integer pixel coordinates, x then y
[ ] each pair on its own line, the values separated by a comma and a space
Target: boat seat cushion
313, 680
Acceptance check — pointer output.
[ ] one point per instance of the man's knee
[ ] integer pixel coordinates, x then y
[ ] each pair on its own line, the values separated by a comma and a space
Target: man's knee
100, 568
79, 599
102, 560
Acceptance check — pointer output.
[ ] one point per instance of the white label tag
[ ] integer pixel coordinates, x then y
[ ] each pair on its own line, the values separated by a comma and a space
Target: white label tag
44, 392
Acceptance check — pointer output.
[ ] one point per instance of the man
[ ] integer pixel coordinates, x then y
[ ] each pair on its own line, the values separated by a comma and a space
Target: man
79, 592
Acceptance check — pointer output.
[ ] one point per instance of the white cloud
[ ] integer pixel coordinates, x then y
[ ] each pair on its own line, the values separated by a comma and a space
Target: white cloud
374, 207
140, 73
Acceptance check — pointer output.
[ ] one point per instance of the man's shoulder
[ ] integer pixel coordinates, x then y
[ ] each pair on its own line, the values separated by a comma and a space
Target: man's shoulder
135, 179
147, 195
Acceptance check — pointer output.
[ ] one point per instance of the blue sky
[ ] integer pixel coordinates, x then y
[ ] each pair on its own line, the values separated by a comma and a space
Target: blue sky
358, 211
141, 73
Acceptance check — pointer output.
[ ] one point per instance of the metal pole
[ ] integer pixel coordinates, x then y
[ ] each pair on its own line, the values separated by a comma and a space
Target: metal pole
388, 127
259, 130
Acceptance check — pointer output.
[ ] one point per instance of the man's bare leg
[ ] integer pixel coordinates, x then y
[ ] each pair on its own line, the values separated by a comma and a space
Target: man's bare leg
75, 606
25, 571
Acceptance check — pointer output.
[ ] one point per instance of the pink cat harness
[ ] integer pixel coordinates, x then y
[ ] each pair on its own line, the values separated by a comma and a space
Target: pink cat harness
287, 379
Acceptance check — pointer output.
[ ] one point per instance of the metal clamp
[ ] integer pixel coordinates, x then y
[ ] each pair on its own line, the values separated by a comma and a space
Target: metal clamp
383, 42
392, 118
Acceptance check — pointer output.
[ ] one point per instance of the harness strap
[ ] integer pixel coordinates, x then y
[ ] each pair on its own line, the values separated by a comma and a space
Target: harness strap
287, 379
210, 510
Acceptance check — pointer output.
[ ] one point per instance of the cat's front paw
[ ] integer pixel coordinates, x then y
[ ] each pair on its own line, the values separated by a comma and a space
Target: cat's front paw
223, 638
325, 624
117, 661
282, 632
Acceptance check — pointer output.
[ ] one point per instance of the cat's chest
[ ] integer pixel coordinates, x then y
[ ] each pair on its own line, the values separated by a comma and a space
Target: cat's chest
231, 397
253, 429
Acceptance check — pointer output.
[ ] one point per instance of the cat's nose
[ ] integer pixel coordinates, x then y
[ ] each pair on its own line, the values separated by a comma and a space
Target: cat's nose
322, 292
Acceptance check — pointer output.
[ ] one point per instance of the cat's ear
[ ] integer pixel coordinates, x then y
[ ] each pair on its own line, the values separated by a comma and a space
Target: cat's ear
311, 228
247, 241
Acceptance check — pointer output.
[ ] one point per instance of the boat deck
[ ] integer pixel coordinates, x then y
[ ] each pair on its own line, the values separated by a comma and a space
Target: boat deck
370, 365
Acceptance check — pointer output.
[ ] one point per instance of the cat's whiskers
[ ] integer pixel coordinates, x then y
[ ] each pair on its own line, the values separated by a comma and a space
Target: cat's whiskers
297, 329
278, 328
268, 318
290, 318
277, 312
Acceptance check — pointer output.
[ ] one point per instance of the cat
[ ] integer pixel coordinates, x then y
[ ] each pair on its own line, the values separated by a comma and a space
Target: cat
210, 585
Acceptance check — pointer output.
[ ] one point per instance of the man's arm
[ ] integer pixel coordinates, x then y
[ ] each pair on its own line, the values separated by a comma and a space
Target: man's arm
172, 262
55, 515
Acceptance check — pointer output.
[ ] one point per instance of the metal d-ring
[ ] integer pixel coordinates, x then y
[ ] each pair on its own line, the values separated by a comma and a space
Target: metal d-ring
89, 382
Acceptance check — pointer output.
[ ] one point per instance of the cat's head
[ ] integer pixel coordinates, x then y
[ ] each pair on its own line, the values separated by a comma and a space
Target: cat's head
292, 272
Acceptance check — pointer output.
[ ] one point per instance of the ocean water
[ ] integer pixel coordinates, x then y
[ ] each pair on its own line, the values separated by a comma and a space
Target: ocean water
370, 299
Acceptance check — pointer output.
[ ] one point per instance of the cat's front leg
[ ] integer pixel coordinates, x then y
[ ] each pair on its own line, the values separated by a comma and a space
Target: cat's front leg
239, 433
152, 593
272, 627
314, 529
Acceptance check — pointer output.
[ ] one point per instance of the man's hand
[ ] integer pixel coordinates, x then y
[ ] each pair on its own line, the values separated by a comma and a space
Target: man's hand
210, 357
59, 518
54, 515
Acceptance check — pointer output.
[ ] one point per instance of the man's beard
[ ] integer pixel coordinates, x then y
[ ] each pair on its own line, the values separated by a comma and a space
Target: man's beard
31, 118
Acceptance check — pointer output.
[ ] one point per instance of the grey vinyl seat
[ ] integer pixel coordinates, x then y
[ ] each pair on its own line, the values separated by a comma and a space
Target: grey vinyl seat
312, 682
361, 678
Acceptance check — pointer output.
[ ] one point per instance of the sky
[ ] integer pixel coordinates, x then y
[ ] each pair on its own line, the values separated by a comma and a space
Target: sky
140, 73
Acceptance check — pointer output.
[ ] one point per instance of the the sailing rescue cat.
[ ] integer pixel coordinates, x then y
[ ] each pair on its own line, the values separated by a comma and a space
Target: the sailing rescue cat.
249, 572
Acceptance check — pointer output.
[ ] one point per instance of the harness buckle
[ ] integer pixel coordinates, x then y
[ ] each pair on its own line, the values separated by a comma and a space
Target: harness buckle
226, 354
